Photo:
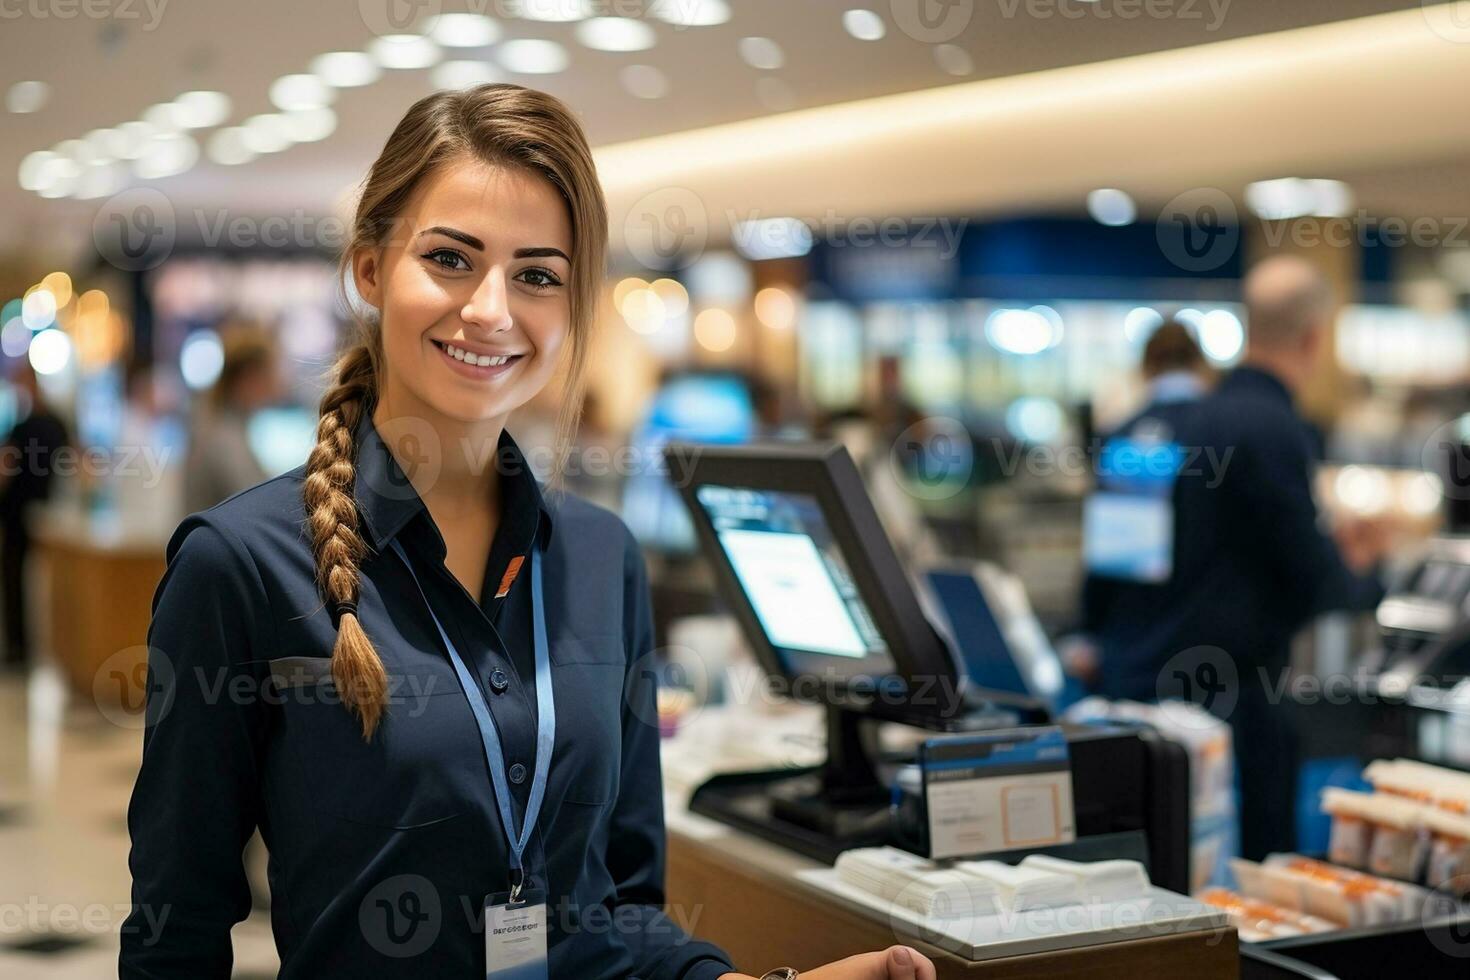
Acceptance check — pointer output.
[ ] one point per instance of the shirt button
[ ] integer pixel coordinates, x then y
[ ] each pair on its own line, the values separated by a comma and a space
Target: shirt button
517, 773
498, 681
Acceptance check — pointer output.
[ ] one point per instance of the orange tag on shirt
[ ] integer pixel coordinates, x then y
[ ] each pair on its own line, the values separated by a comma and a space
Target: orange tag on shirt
511, 571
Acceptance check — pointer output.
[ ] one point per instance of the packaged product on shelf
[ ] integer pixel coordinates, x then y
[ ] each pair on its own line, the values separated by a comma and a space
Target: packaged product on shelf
1351, 833
1257, 921
1449, 852
1447, 789
1373, 900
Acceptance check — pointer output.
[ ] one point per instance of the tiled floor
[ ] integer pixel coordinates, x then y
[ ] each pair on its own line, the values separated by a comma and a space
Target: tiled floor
66, 772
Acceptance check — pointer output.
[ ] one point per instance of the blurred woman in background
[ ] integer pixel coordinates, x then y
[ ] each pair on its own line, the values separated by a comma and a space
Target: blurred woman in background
221, 462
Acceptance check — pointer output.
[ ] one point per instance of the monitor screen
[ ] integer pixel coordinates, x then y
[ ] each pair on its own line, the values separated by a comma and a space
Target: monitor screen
792, 570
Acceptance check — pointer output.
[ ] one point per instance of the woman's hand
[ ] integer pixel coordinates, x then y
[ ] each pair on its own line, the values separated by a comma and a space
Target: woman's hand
893, 963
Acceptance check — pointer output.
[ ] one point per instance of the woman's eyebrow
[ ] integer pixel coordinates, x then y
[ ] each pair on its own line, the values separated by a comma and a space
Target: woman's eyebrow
545, 252
458, 236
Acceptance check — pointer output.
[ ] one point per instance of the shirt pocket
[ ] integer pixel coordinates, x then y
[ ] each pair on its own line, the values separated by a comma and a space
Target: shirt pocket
588, 676
416, 770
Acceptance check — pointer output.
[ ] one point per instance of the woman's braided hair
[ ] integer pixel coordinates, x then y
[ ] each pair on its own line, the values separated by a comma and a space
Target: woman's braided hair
505, 125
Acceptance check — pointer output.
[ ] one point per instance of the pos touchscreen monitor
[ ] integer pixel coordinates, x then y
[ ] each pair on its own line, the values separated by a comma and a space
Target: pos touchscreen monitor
801, 557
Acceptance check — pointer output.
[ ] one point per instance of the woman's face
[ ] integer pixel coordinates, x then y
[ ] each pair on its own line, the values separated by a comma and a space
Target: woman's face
474, 290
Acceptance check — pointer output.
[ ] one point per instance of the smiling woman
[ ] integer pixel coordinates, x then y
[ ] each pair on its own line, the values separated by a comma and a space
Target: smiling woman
453, 754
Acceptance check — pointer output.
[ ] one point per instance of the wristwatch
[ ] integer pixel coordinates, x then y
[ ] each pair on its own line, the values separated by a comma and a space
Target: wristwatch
780, 973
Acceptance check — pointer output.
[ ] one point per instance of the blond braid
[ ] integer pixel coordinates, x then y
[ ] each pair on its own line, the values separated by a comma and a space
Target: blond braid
335, 542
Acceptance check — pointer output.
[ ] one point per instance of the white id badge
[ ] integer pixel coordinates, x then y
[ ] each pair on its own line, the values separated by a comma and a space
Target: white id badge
515, 937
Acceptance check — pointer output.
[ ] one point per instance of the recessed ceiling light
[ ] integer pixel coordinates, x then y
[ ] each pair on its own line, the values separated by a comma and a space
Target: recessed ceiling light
555, 11
309, 125
166, 156
953, 59
616, 34
644, 81
266, 133
290, 93
79, 150
107, 143
36, 169
230, 147
864, 25
99, 179
135, 136
1293, 197
762, 52
202, 109
691, 13
464, 74
1112, 207
405, 51
28, 96
528, 56
463, 30
165, 117
345, 69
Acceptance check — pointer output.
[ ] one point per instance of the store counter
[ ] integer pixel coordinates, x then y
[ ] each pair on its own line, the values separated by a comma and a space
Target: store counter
760, 902
97, 583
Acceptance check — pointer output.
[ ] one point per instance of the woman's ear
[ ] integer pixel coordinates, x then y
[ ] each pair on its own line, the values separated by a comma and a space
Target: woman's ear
367, 271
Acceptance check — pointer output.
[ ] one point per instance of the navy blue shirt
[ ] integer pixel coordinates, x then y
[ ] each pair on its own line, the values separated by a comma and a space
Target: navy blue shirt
382, 853
1251, 563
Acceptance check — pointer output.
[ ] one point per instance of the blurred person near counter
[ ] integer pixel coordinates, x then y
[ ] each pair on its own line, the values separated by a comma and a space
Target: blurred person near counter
1174, 366
27, 477
221, 462
1246, 562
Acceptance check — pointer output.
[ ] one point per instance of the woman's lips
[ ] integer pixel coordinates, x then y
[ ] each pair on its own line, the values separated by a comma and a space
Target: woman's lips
468, 364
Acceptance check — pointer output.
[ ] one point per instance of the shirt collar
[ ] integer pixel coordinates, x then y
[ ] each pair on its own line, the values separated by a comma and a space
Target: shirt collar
387, 500
1256, 379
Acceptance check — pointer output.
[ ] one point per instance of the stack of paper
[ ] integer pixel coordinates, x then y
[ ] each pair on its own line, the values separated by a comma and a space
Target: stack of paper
1022, 889
917, 884
1097, 881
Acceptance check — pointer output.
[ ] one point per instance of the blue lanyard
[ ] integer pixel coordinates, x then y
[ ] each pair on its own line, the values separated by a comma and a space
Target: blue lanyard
545, 719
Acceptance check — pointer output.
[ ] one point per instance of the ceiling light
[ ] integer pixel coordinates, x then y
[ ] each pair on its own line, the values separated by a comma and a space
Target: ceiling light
555, 11
346, 69
309, 125
405, 51
36, 168
714, 329
644, 81
1112, 207
108, 144
266, 133
1023, 331
166, 156
864, 25
772, 238
532, 57
463, 74
292, 92
59, 177
691, 13
1293, 197
202, 109
165, 117
50, 352
1221, 335
79, 150
761, 52
463, 30
25, 97
230, 147
1141, 322
953, 59
616, 34
101, 178
135, 137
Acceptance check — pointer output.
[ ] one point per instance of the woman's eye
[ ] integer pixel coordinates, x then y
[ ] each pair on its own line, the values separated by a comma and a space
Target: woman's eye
539, 278
446, 258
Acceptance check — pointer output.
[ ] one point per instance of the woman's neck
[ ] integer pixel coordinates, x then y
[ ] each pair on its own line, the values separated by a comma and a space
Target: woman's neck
451, 463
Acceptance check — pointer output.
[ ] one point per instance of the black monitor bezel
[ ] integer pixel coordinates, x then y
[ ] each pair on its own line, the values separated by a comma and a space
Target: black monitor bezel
826, 472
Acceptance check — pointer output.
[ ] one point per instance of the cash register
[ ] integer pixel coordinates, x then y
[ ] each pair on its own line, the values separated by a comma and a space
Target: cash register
802, 561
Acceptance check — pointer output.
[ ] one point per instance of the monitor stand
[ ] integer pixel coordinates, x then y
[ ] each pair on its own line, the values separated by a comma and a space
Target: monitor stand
824, 810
